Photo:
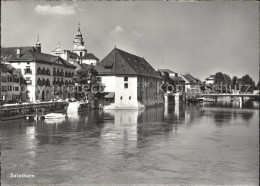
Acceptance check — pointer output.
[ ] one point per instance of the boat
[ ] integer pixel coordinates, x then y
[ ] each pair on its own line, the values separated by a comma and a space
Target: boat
200, 99
84, 106
54, 116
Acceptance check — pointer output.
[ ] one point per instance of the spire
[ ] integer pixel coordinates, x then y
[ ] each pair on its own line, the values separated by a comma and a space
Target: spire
38, 40
38, 44
79, 32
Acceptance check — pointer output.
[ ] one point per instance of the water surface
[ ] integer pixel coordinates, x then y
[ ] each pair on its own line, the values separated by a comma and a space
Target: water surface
193, 144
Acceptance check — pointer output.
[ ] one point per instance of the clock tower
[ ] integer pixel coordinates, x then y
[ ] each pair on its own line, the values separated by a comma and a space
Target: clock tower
79, 47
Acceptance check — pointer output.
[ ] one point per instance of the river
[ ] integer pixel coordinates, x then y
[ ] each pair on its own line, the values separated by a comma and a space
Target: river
213, 143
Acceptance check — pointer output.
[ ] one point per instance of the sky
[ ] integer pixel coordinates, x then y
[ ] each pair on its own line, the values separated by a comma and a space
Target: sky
201, 38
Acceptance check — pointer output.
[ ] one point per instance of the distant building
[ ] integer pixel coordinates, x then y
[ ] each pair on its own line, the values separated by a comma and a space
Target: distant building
210, 80
130, 80
191, 82
170, 72
79, 53
41, 70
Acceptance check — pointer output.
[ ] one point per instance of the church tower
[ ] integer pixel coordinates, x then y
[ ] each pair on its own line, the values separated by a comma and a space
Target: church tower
79, 47
38, 47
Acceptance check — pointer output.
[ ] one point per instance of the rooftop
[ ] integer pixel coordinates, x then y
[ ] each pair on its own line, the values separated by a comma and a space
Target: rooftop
119, 62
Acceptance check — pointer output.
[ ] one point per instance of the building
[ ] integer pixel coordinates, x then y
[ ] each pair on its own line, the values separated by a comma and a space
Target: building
168, 71
131, 82
46, 75
79, 53
13, 87
191, 83
210, 80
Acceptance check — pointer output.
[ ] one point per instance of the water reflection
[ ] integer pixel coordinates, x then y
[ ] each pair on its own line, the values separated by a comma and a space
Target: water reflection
157, 143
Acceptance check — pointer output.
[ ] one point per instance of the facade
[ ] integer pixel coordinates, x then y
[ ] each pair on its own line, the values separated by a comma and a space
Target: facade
13, 87
131, 82
79, 54
46, 75
210, 80
191, 83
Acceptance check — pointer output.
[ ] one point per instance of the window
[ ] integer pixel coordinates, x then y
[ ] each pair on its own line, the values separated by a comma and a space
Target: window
126, 85
121, 97
27, 70
126, 79
129, 97
80, 54
28, 63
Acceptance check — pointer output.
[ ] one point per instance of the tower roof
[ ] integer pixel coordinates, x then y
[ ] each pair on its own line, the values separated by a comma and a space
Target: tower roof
38, 40
79, 32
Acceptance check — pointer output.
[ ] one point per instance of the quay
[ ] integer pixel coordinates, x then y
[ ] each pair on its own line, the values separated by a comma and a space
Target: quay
17, 111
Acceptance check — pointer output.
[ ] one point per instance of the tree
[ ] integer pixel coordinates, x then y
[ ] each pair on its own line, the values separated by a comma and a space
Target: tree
235, 81
87, 80
223, 81
247, 84
258, 85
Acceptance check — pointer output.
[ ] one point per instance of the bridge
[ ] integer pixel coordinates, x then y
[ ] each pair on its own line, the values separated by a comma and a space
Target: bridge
231, 95
240, 96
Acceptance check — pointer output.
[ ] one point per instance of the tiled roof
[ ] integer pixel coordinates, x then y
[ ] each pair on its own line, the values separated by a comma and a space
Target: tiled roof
178, 79
211, 77
72, 54
166, 70
11, 70
42, 57
10, 53
191, 79
90, 56
119, 62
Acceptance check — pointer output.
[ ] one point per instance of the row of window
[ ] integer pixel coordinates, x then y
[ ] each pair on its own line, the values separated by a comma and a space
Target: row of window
59, 72
10, 79
43, 71
42, 82
9, 88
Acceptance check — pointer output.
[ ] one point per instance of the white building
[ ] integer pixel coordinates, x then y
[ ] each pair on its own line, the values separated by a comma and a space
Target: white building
130, 80
210, 80
41, 72
79, 53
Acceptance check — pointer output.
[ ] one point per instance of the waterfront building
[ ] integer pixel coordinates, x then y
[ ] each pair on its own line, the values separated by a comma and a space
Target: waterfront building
79, 54
191, 83
13, 86
131, 82
41, 72
210, 80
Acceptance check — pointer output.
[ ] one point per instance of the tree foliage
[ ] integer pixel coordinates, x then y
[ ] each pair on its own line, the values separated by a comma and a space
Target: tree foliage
246, 81
223, 81
89, 77
258, 85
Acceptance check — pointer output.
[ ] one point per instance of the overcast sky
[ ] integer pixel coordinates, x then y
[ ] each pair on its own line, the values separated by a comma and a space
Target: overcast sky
200, 38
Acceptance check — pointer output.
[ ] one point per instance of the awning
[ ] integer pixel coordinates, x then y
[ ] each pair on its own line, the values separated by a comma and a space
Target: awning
110, 95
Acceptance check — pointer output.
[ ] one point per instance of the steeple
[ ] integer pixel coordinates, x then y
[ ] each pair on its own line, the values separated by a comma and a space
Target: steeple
79, 43
38, 45
79, 32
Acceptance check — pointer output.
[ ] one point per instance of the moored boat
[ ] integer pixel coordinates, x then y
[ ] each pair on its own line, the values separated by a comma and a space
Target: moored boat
54, 116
